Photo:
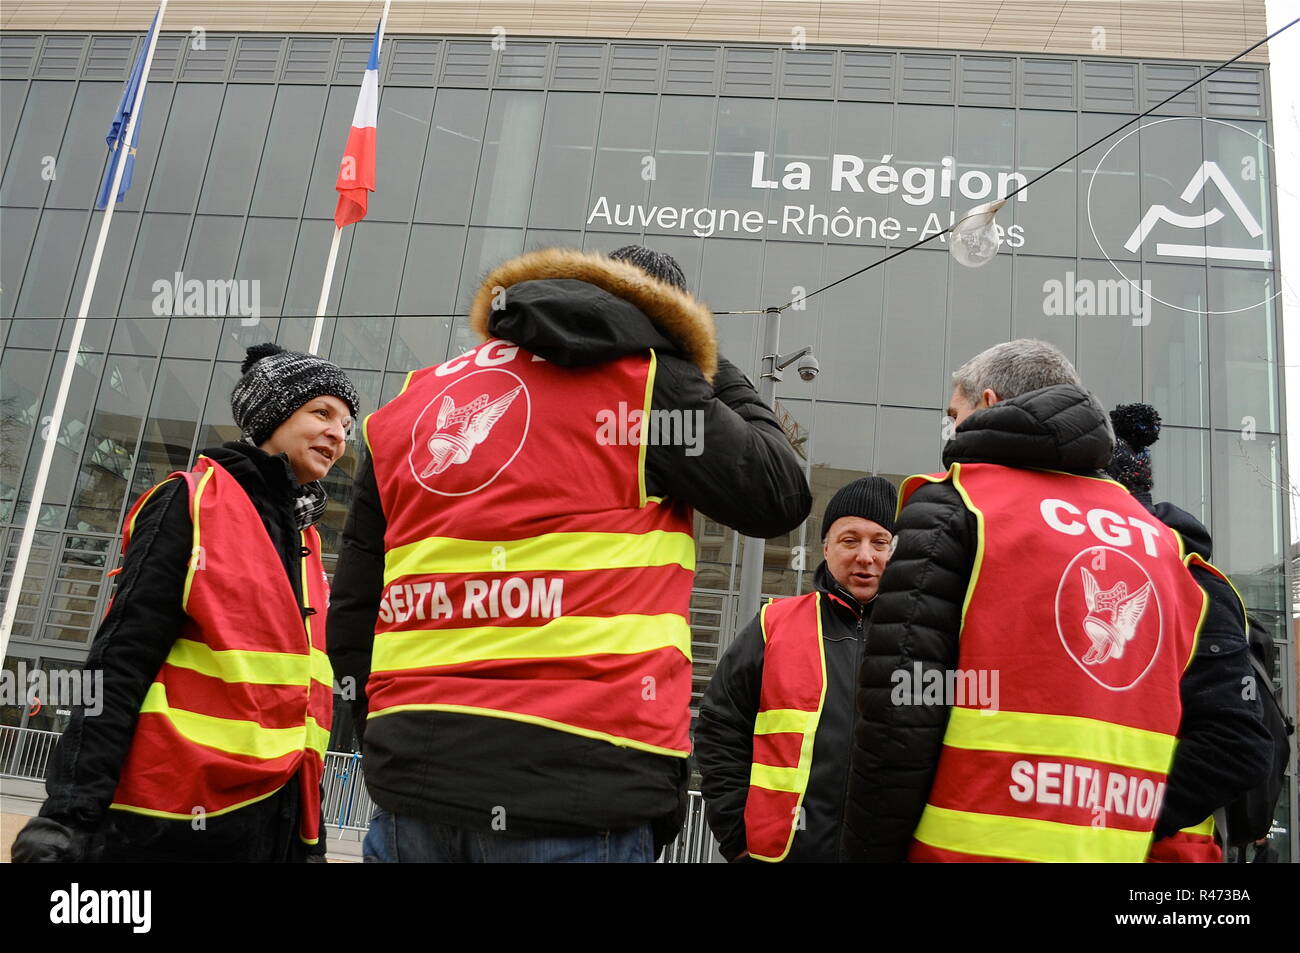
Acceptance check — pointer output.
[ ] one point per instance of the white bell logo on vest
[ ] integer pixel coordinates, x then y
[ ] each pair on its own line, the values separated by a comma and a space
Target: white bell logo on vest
470, 432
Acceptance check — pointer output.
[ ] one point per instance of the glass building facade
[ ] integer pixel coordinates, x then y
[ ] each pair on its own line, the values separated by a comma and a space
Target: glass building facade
767, 171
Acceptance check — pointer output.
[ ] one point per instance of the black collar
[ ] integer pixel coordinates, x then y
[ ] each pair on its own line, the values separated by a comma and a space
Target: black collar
837, 594
256, 469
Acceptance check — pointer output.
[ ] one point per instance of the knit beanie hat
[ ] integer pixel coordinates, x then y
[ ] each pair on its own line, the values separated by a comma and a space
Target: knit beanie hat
1137, 427
277, 382
870, 498
657, 264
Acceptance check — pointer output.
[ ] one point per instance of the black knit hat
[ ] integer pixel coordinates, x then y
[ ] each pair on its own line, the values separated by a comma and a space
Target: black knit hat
870, 498
277, 382
1137, 427
657, 264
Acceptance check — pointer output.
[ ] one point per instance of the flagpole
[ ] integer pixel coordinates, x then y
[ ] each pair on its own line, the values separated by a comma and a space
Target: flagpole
70, 363
319, 323
325, 291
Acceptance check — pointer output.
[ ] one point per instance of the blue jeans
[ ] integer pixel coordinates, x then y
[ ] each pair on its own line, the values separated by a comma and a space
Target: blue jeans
395, 839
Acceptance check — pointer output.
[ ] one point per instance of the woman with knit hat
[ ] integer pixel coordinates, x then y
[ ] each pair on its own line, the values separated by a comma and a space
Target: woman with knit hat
207, 739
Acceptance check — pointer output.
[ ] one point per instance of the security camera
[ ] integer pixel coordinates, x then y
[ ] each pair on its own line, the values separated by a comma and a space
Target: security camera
808, 367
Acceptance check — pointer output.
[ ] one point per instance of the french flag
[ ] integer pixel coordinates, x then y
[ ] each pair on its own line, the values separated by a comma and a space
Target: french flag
357, 170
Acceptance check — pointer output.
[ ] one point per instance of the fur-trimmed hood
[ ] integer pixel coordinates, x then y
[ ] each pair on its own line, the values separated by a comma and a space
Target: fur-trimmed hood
592, 323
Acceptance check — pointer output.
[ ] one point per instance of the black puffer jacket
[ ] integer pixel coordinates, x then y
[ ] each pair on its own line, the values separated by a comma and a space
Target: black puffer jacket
455, 768
129, 648
724, 737
1223, 747
917, 619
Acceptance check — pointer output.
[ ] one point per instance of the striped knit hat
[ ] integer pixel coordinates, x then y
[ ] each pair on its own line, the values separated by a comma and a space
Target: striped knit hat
277, 382
657, 264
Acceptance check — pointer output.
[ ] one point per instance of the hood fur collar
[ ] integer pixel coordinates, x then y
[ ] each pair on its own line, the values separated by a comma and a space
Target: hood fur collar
682, 319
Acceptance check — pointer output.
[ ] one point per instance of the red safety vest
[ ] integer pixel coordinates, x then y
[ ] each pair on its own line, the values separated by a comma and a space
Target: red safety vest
527, 575
1191, 845
244, 700
1081, 607
789, 708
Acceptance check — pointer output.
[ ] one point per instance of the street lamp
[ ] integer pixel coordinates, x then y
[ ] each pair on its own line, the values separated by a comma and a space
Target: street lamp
976, 238
751, 565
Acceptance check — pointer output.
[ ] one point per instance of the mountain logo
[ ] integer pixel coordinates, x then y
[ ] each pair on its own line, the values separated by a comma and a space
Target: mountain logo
1208, 172
1222, 225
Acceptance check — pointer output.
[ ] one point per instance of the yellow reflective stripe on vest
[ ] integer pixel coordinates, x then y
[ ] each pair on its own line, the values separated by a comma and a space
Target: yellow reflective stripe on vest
780, 720
254, 668
791, 780
150, 812
196, 546
1205, 828
645, 411
321, 669
1062, 736
565, 637
1028, 839
554, 552
235, 736
318, 737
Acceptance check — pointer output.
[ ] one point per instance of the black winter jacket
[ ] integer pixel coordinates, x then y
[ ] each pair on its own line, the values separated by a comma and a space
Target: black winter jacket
1223, 746
917, 619
724, 737
130, 646
457, 768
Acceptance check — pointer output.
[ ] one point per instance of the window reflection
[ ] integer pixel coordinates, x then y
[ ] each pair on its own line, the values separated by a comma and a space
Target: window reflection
23, 376
110, 445
1248, 515
508, 161
169, 431
72, 431
218, 422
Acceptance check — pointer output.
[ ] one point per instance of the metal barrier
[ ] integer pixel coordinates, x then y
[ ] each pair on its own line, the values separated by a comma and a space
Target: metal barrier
345, 802
25, 752
695, 844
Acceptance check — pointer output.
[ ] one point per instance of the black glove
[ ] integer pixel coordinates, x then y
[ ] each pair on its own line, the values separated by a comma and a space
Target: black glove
44, 841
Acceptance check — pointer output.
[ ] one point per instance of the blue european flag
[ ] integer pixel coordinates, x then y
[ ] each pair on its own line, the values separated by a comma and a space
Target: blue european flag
117, 131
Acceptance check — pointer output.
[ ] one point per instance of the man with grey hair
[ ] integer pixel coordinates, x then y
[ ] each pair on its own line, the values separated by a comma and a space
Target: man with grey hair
1008, 370
1019, 694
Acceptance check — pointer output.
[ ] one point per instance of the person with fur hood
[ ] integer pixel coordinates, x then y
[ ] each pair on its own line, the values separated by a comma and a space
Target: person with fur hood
511, 603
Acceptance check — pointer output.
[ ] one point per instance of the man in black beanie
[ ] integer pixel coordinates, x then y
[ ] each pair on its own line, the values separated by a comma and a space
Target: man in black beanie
772, 742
